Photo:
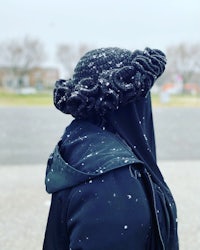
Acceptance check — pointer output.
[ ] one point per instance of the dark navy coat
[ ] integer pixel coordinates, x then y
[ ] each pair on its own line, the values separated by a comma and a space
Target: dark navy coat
104, 197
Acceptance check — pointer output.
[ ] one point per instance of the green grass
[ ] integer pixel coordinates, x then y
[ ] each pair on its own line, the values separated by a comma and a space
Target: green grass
13, 99
184, 100
46, 99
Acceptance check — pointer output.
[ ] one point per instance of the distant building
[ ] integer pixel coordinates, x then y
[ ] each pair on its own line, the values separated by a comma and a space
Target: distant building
192, 88
37, 77
172, 88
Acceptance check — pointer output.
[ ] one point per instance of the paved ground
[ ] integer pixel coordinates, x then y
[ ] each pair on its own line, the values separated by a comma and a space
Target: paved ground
23, 207
24, 204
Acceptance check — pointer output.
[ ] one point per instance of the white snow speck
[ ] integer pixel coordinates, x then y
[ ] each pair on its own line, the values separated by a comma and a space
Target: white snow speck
125, 227
90, 64
119, 64
145, 137
89, 155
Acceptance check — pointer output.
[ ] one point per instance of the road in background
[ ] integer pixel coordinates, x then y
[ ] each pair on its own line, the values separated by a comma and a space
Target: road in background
29, 134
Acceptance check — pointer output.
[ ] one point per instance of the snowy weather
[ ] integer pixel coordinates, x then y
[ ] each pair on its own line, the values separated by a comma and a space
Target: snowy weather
40, 43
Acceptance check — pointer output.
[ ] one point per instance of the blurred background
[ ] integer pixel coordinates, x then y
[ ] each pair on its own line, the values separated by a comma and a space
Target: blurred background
40, 42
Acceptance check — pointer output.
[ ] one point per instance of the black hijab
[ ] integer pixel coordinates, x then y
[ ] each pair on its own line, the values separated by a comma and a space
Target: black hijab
134, 124
113, 85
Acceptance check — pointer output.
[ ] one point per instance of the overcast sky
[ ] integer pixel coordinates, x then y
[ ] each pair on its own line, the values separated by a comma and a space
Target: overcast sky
125, 23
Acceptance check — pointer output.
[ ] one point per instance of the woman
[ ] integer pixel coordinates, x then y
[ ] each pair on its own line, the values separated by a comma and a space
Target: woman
107, 190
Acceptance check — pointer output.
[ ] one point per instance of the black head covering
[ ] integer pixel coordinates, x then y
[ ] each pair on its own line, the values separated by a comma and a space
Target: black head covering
113, 85
106, 79
134, 124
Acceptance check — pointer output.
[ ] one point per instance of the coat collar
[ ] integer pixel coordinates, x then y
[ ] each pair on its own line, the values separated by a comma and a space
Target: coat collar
85, 151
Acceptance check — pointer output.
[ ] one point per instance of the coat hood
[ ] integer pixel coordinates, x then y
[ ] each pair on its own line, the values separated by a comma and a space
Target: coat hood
84, 152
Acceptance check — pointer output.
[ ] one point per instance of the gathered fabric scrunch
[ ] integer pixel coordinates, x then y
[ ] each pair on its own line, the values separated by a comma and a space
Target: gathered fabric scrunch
98, 88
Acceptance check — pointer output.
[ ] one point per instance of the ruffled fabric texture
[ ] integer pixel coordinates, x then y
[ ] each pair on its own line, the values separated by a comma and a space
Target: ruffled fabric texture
105, 79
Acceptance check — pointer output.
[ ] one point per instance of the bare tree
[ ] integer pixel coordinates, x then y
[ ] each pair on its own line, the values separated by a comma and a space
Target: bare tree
183, 61
20, 56
68, 55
